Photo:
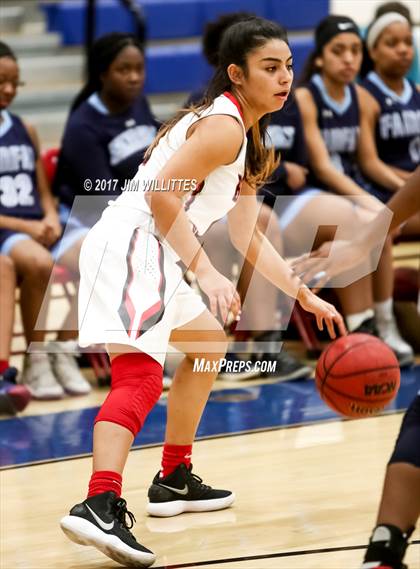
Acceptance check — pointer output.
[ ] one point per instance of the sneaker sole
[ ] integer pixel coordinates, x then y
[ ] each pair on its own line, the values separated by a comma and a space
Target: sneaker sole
405, 361
176, 507
75, 393
83, 532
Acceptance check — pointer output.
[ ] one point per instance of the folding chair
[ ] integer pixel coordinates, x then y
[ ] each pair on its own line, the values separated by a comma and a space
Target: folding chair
98, 360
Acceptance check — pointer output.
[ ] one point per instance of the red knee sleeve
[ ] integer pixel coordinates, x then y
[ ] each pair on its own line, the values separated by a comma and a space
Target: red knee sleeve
136, 385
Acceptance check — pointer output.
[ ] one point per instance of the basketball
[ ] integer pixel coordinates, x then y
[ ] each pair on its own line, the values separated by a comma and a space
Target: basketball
357, 375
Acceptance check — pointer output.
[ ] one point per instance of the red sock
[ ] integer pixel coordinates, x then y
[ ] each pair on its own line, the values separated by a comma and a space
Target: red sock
4, 364
174, 455
105, 481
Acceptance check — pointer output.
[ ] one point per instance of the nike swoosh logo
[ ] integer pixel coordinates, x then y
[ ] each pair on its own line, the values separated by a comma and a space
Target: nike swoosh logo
344, 26
182, 491
104, 525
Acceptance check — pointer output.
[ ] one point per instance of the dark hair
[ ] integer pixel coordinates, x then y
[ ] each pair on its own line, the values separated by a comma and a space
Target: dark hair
237, 42
326, 29
393, 7
213, 33
5, 51
102, 54
367, 63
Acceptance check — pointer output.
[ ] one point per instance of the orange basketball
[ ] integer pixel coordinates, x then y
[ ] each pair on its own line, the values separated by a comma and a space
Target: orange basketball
357, 375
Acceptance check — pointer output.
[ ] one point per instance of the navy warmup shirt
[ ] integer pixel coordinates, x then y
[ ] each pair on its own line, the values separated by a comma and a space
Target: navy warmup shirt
339, 126
100, 146
398, 128
19, 195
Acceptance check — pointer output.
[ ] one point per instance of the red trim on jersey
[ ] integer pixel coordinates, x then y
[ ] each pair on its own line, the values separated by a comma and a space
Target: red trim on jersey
127, 311
128, 302
235, 101
238, 188
158, 305
193, 195
148, 314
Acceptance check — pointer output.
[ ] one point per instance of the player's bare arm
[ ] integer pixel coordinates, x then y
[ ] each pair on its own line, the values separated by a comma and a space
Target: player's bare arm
367, 152
333, 259
257, 249
215, 141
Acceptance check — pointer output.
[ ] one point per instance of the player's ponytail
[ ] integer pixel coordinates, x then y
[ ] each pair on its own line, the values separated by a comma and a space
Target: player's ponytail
102, 54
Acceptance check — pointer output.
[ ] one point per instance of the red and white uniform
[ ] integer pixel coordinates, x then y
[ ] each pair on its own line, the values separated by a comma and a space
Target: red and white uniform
132, 290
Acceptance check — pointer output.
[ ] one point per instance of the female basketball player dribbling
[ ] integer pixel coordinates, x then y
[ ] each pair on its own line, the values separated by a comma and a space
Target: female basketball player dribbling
133, 297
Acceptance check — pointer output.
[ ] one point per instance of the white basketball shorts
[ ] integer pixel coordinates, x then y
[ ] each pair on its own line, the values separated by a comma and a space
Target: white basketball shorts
131, 291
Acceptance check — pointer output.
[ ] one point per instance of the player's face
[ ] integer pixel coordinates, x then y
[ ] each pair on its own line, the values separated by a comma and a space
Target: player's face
124, 79
9, 81
394, 52
341, 58
269, 76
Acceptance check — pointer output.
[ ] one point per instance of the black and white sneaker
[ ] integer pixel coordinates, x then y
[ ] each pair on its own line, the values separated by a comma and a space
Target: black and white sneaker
101, 521
368, 326
182, 491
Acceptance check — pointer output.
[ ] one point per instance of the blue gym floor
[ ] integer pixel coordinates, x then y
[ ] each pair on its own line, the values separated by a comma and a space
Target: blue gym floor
58, 436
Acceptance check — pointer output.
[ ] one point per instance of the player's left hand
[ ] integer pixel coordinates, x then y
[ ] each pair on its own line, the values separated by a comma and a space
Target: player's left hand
324, 311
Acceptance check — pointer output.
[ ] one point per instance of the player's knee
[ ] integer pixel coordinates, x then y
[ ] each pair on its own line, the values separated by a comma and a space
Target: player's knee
7, 270
219, 345
136, 386
40, 266
215, 347
407, 448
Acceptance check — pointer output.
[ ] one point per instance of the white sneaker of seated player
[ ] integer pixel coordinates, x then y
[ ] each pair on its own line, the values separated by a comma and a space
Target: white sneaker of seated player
66, 370
39, 378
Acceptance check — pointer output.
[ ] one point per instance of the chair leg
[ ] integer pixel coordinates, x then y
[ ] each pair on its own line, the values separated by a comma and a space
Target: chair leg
67, 293
101, 369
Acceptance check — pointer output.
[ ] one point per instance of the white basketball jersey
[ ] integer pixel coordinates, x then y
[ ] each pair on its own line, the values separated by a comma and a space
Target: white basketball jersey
216, 195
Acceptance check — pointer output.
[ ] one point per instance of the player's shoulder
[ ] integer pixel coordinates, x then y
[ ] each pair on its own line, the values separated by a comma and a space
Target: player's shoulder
305, 101
367, 102
224, 128
31, 132
83, 121
14, 120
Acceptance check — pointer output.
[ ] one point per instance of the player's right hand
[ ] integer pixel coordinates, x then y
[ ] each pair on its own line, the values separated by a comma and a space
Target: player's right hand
222, 294
330, 260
